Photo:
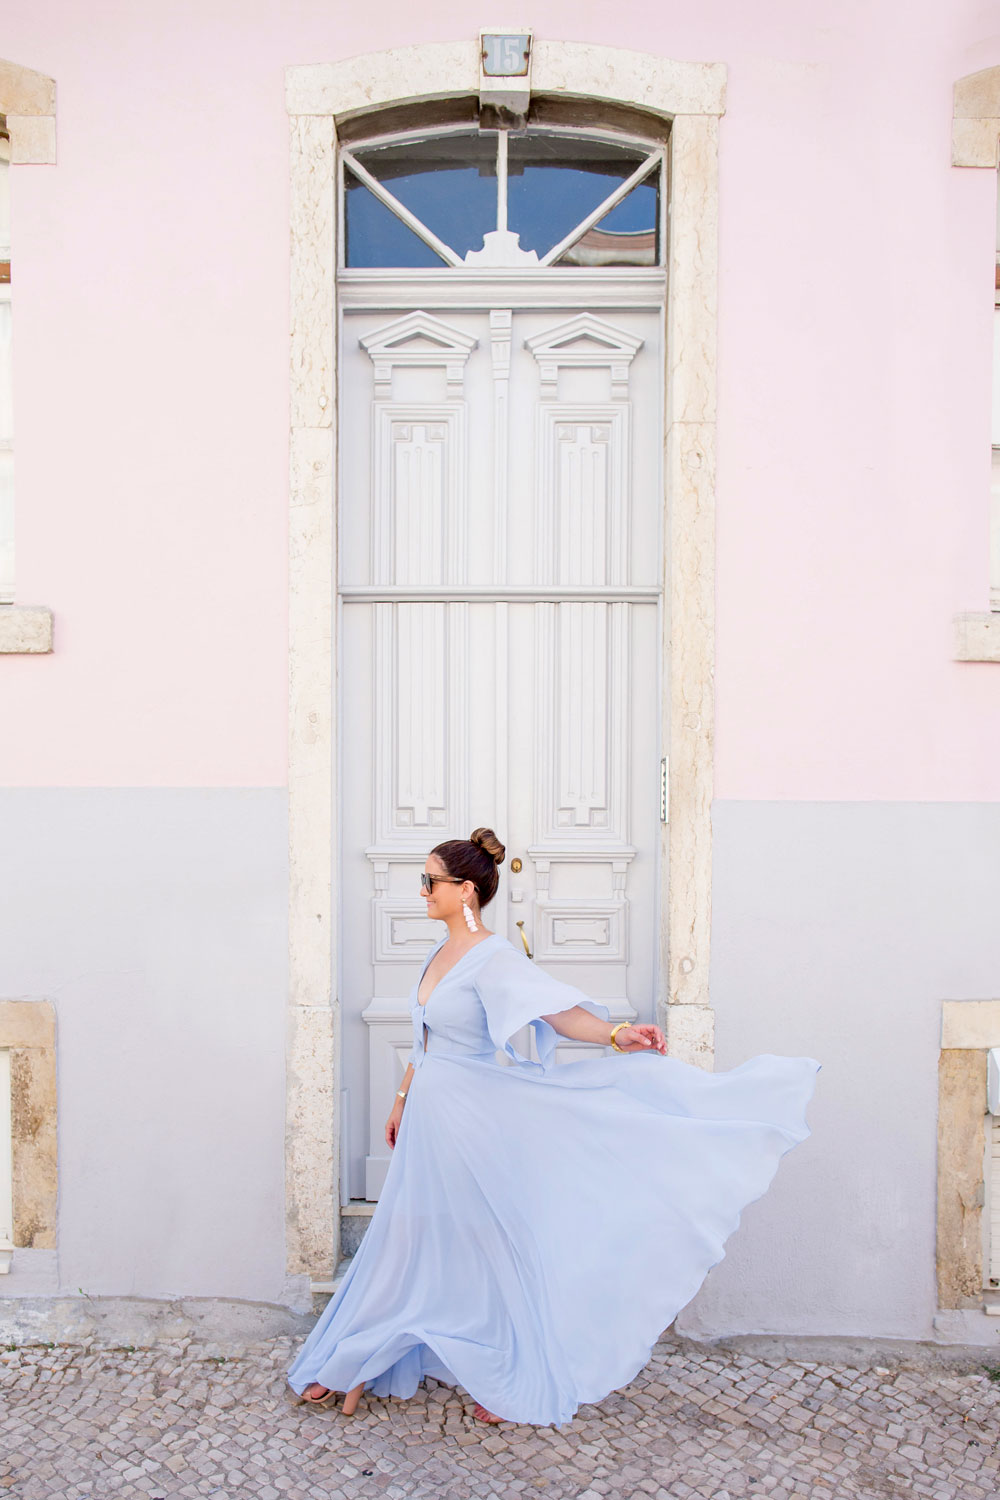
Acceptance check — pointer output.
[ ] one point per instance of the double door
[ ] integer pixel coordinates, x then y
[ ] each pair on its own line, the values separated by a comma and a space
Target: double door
500, 544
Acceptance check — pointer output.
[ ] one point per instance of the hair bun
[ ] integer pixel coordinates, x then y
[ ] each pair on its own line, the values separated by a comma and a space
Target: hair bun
486, 839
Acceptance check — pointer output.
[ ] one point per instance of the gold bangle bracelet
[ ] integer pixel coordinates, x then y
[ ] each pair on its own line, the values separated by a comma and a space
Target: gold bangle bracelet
621, 1025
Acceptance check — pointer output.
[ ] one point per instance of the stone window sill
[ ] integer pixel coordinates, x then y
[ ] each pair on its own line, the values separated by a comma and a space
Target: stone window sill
25, 628
977, 637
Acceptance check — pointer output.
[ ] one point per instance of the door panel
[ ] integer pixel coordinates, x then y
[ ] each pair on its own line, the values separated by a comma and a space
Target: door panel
500, 547
583, 817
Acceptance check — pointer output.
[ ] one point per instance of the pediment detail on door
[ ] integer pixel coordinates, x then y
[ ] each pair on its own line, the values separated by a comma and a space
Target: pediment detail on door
588, 342
419, 339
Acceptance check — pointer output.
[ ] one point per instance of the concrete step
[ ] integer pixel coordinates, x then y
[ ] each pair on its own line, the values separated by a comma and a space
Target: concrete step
354, 1220
322, 1291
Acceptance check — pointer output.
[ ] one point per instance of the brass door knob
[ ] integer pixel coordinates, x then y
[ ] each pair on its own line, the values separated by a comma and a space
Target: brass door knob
515, 865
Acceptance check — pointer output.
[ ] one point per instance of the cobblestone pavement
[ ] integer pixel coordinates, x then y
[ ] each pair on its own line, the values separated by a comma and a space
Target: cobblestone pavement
177, 1421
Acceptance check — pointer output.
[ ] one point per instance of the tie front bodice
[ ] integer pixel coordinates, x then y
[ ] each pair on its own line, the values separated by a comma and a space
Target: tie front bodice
454, 1015
440, 1044
485, 999
455, 1021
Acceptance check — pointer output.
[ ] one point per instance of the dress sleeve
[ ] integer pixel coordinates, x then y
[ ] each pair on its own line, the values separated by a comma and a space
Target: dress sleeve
515, 991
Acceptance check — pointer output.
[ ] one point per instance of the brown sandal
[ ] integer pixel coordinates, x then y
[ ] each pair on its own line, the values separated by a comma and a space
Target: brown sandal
330, 1397
326, 1400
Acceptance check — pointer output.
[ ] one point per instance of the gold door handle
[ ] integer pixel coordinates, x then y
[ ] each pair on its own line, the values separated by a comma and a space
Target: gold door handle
524, 939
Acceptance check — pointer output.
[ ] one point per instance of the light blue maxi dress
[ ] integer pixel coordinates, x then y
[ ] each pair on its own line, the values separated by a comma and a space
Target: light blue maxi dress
520, 1199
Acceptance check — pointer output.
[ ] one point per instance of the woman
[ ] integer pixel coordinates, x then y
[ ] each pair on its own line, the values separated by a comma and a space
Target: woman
540, 1225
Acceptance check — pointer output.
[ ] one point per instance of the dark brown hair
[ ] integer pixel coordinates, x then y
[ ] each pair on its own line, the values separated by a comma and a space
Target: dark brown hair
476, 859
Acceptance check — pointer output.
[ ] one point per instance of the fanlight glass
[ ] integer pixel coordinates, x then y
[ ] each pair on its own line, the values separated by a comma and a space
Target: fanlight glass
556, 181
488, 198
448, 182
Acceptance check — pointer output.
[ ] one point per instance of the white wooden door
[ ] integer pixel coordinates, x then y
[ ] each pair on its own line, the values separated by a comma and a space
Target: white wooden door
500, 587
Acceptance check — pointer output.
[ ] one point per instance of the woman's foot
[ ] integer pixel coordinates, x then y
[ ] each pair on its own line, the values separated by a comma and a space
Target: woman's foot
316, 1395
483, 1414
319, 1395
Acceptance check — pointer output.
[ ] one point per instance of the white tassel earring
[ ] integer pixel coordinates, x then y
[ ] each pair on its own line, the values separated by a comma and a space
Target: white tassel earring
470, 919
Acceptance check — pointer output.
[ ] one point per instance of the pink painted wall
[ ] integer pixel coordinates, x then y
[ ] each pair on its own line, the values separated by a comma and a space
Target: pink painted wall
855, 344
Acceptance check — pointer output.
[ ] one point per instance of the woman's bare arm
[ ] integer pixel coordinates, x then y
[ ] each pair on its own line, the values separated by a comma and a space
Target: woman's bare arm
396, 1114
581, 1026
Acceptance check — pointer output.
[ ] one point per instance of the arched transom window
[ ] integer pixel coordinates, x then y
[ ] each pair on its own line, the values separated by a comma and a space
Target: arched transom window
465, 197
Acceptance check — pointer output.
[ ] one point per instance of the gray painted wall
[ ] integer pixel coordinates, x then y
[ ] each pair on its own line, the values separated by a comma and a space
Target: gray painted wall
155, 921
838, 930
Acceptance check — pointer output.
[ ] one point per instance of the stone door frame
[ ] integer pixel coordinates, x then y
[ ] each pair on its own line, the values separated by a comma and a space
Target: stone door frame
691, 96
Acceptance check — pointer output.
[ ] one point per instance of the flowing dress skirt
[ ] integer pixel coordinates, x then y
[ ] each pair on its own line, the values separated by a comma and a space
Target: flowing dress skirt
525, 1206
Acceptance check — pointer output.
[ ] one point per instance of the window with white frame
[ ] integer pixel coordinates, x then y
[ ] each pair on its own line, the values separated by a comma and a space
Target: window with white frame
6, 424
995, 485
464, 197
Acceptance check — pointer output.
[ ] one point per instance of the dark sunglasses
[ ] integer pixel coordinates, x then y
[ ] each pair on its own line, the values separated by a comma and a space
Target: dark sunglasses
427, 881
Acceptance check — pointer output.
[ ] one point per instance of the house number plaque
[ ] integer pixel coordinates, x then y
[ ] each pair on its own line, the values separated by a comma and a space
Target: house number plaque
505, 74
505, 54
